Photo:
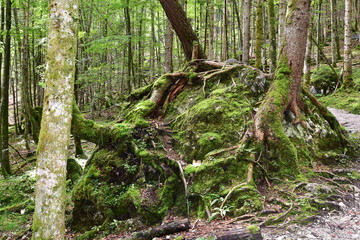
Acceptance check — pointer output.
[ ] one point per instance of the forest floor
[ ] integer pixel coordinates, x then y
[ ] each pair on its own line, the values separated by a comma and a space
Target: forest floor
343, 223
340, 222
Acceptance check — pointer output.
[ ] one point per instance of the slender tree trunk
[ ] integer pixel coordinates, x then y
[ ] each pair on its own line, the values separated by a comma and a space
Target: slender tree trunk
258, 33
2, 24
5, 160
282, 14
183, 29
272, 34
307, 61
334, 33
246, 34
318, 34
169, 39
211, 29
347, 76
129, 46
52, 151
225, 47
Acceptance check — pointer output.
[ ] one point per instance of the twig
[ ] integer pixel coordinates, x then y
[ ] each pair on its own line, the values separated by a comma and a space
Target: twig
279, 216
17, 152
297, 186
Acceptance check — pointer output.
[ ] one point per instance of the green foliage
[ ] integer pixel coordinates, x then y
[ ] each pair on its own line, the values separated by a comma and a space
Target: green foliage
348, 99
324, 79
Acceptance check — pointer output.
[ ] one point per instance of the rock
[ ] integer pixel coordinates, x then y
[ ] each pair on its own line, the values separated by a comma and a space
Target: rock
317, 188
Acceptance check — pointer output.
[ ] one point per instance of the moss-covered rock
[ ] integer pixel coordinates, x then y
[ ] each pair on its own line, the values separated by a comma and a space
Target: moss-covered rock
121, 185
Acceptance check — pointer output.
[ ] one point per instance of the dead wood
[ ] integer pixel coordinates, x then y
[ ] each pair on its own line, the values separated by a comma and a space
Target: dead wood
162, 230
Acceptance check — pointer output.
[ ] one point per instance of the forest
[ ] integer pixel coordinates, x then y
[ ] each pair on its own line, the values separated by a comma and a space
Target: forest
179, 119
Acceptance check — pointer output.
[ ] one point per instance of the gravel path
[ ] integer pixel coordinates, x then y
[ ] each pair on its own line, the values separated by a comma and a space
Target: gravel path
343, 224
350, 121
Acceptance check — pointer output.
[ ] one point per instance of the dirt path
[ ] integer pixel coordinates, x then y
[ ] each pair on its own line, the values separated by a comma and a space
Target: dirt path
350, 121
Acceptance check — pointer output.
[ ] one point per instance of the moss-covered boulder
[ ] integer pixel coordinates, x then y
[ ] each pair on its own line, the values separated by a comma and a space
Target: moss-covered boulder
123, 185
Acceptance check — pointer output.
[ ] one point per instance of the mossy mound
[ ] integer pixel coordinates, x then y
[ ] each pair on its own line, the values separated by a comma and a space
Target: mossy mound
122, 185
324, 79
217, 121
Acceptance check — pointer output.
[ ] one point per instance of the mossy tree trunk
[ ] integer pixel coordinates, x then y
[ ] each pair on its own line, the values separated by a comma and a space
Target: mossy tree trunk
284, 93
4, 127
182, 27
49, 217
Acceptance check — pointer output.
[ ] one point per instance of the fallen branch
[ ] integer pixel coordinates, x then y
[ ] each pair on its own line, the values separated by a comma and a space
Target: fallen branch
162, 230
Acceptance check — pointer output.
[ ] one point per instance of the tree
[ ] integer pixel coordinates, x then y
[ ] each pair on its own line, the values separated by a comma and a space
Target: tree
183, 29
284, 94
272, 34
347, 75
246, 34
52, 151
258, 33
4, 127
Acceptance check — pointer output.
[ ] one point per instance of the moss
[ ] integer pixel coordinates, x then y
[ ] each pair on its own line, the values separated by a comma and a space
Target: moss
120, 185
73, 170
137, 115
213, 123
324, 79
253, 229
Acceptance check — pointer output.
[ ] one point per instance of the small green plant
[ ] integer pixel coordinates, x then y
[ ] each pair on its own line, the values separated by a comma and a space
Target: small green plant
221, 211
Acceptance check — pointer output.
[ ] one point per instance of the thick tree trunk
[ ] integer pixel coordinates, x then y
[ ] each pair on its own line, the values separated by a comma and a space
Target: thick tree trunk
284, 93
182, 27
49, 217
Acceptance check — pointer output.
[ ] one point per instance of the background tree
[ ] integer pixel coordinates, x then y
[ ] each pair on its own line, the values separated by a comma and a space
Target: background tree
183, 28
4, 120
52, 151
347, 75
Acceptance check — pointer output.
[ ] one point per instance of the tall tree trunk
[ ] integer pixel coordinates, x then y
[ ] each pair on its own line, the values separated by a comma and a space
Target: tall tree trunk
246, 34
211, 10
49, 216
282, 14
284, 93
225, 47
307, 61
129, 46
169, 39
258, 33
5, 160
347, 76
183, 29
272, 34
334, 33
318, 33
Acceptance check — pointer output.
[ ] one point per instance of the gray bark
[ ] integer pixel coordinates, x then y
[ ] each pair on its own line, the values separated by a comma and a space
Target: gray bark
49, 217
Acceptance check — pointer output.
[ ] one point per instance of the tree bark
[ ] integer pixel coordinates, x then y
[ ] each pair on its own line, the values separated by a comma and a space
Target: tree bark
272, 34
284, 93
5, 159
246, 34
347, 76
49, 216
182, 27
169, 39
258, 33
